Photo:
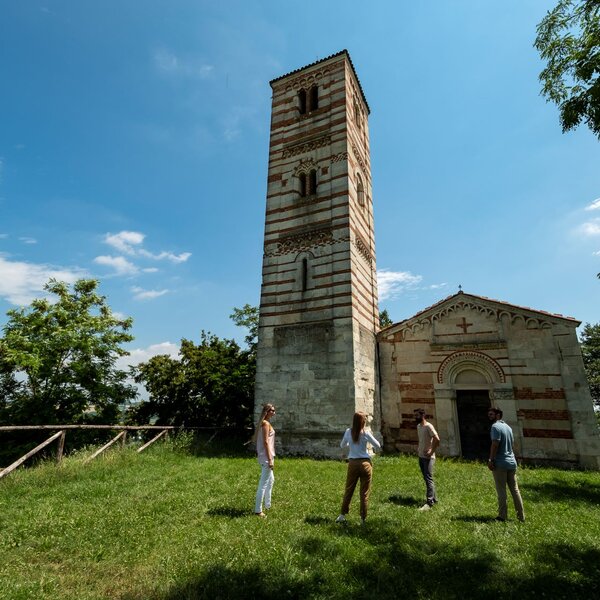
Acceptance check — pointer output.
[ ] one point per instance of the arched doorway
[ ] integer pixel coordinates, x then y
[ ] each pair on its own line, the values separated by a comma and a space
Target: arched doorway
471, 377
471, 408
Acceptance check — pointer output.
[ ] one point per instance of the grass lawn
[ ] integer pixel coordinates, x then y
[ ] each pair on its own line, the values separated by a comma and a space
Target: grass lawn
167, 525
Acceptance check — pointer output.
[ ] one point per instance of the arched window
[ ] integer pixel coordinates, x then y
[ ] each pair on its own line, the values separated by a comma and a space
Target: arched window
312, 182
302, 102
314, 98
302, 177
360, 190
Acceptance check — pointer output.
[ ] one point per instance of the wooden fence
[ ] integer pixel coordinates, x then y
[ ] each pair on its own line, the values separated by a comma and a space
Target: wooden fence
61, 434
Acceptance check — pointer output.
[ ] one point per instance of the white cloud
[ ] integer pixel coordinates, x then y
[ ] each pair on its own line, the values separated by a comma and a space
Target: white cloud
142, 294
591, 228
28, 240
3, 236
176, 258
150, 270
595, 205
124, 241
120, 264
392, 284
140, 355
167, 62
21, 282
596, 253
130, 243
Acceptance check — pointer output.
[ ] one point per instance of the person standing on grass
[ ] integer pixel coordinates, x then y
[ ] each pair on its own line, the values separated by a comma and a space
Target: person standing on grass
359, 465
503, 465
264, 436
429, 440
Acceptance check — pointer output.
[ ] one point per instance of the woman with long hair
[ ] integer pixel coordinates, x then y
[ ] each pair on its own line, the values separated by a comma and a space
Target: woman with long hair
359, 465
264, 436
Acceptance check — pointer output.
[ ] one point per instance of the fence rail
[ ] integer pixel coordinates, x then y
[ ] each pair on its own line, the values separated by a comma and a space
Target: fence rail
62, 431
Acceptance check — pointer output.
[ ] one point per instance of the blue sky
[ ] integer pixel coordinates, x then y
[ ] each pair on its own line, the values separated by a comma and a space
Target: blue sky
134, 145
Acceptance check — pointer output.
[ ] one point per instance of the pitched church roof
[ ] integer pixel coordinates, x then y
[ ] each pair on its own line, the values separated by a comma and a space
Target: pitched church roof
317, 62
461, 296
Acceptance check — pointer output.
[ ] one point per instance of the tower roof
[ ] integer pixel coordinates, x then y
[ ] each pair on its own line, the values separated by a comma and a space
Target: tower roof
340, 53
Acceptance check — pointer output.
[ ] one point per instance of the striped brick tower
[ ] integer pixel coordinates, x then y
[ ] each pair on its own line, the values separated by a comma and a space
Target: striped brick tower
317, 358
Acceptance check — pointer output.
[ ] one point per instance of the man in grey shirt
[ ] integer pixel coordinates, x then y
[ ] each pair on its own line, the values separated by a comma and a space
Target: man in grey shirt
503, 465
429, 440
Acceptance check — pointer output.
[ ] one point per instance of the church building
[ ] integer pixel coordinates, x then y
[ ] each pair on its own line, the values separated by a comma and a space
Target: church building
321, 355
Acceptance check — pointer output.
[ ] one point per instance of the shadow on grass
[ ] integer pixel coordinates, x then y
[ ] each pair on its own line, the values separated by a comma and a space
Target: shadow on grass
228, 511
221, 582
404, 500
475, 519
558, 491
567, 572
379, 561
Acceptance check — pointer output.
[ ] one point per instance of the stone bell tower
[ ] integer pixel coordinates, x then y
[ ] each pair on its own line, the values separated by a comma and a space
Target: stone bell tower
317, 359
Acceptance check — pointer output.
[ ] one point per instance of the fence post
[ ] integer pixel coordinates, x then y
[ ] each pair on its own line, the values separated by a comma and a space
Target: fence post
101, 450
61, 446
21, 460
154, 439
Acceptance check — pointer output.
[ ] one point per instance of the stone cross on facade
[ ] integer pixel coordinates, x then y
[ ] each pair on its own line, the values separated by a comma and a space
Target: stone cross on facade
464, 325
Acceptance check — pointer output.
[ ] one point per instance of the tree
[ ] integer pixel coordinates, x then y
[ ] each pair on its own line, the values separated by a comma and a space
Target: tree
384, 319
209, 385
58, 360
590, 349
247, 316
568, 38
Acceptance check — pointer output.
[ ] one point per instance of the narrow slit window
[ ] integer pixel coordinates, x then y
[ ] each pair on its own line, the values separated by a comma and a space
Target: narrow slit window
302, 102
360, 190
304, 274
302, 178
314, 98
312, 182
357, 114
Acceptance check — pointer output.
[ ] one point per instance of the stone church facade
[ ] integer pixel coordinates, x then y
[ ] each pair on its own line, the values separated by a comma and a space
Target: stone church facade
321, 356
465, 353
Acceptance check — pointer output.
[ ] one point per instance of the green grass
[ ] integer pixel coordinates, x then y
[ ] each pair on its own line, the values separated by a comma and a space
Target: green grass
167, 525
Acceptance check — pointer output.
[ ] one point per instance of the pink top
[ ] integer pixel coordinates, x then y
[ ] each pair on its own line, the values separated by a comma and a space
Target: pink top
260, 445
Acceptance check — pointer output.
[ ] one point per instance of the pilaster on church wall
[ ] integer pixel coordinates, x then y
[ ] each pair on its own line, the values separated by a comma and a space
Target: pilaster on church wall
579, 401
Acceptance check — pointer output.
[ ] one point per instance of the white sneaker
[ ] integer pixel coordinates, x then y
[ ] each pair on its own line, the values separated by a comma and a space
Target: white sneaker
425, 507
341, 519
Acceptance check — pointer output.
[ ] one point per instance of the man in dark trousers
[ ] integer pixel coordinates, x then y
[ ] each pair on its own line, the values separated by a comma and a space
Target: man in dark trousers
429, 440
503, 465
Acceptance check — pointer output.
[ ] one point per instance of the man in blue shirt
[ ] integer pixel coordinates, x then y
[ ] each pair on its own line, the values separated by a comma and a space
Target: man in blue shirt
503, 465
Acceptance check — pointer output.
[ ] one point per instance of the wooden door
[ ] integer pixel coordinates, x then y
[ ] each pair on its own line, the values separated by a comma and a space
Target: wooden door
474, 426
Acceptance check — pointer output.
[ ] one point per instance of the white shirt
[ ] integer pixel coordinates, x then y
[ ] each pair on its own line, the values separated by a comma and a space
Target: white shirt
359, 449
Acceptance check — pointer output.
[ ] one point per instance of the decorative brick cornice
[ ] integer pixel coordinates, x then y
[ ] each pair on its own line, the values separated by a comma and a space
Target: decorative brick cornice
339, 157
359, 158
363, 249
306, 146
308, 80
459, 303
304, 241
